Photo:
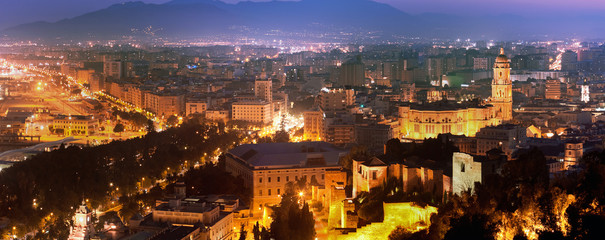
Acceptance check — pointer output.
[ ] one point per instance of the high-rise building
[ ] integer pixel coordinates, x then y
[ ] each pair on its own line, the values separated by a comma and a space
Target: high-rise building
263, 90
553, 89
314, 125
480, 63
585, 92
352, 72
502, 88
117, 69
335, 99
569, 61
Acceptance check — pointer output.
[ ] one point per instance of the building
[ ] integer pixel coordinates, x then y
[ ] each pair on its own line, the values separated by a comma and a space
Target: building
415, 176
252, 111
117, 69
553, 89
502, 88
339, 131
585, 97
165, 103
569, 61
314, 125
352, 72
420, 121
97, 82
335, 99
83, 227
468, 169
263, 90
211, 216
217, 115
69, 125
574, 150
83, 75
505, 137
374, 136
267, 167
135, 95
195, 107
482, 63
368, 174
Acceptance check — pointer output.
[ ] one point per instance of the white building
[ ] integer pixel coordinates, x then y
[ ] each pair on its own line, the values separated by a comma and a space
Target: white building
468, 170
256, 112
82, 228
585, 97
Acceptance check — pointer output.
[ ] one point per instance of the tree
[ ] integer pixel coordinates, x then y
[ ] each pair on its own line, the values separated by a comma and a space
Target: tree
400, 233
172, 121
118, 128
256, 231
242, 232
281, 136
394, 150
98, 107
359, 153
291, 221
149, 126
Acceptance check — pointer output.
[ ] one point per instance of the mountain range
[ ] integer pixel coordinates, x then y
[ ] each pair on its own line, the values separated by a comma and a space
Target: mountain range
313, 19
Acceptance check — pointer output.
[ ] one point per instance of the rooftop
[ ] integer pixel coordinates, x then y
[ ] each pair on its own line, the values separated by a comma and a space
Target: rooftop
175, 233
446, 105
301, 154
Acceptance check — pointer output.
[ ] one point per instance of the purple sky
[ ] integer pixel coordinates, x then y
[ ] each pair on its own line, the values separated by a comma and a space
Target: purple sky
14, 12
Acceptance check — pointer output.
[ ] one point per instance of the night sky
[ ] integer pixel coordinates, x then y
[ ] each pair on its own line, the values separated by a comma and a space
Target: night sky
13, 12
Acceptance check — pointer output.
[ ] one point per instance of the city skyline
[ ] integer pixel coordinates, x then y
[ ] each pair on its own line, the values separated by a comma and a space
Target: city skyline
302, 120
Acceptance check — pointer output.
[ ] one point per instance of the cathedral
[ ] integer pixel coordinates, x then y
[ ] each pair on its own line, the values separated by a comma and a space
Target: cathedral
502, 88
420, 121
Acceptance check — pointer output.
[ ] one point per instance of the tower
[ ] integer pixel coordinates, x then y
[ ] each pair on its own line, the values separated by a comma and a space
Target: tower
585, 92
502, 88
263, 89
574, 151
82, 228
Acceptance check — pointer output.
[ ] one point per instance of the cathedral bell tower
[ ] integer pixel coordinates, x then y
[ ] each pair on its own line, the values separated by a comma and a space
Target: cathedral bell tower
502, 88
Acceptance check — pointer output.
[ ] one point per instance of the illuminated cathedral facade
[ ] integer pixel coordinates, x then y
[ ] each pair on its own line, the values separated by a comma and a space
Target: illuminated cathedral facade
420, 121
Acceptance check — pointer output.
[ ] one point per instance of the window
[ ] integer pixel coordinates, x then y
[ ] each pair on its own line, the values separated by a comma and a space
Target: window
462, 168
260, 180
278, 179
269, 192
374, 175
287, 178
269, 179
322, 176
278, 192
260, 192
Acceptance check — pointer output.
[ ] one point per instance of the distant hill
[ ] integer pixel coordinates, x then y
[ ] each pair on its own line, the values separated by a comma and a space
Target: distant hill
302, 19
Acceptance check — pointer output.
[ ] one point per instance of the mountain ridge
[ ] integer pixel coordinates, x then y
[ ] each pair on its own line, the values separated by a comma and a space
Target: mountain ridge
306, 18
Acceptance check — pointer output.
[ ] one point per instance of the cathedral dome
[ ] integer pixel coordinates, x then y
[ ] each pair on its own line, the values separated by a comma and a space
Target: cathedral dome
502, 58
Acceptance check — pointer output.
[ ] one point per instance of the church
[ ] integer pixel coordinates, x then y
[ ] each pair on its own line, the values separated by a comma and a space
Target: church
420, 121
